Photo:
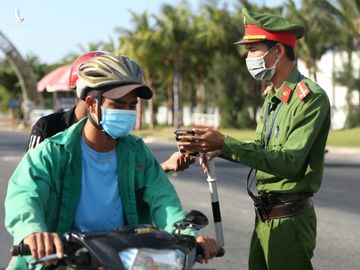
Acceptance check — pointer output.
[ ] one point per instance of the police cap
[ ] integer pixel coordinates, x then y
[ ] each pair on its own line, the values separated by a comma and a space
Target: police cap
262, 26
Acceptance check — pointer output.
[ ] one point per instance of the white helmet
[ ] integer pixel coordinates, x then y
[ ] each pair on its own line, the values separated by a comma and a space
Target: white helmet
113, 75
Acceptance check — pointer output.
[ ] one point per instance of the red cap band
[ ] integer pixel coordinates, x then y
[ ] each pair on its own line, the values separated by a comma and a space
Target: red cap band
283, 37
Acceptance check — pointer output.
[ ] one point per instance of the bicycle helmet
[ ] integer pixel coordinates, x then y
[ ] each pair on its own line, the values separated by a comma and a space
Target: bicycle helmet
79, 61
113, 75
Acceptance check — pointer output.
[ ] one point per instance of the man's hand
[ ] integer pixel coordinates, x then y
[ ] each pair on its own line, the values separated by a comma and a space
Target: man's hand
43, 244
205, 140
178, 162
209, 246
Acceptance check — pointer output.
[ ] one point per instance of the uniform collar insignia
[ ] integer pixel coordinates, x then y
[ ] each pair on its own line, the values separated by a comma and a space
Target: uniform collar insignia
286, 89
285, 94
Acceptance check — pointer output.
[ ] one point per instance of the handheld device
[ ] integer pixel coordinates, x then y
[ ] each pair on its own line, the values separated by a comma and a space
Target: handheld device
180, 132
188, 132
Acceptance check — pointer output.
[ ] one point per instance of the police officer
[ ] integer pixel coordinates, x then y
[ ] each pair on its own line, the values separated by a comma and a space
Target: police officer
288, 151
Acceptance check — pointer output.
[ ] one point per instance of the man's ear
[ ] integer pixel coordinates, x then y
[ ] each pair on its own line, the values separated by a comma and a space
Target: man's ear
90, 104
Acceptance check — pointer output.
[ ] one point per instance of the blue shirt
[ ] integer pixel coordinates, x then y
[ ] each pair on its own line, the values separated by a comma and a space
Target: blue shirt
99, 207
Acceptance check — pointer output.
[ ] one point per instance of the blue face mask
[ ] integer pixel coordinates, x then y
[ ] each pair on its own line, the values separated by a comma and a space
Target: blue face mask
118, 123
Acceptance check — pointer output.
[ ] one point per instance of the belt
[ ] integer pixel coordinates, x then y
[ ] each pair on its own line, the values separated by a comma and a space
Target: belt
273, 199
281, 211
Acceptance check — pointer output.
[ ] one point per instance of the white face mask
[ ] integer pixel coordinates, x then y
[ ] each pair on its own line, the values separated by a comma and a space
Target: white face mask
256, 67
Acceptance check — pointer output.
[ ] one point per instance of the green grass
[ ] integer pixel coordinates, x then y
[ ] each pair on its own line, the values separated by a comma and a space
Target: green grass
345, 138
339, 138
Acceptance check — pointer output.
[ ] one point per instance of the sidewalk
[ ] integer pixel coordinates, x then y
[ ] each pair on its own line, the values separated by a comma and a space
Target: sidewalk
8, 124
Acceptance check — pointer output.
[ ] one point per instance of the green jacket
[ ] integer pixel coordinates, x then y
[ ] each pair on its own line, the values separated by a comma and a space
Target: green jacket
43, 191
294, 158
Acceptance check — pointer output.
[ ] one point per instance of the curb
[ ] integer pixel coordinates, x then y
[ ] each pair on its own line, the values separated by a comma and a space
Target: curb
343, 150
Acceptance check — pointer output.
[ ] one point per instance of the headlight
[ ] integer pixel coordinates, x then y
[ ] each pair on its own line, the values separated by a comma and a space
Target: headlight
152, 259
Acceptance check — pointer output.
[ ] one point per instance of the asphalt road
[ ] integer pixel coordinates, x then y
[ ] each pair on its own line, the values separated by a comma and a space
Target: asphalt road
337, 205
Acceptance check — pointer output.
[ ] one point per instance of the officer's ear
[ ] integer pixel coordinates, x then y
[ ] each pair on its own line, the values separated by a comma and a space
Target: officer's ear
280, 50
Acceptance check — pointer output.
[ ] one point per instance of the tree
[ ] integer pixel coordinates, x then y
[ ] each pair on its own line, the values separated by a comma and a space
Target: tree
143, 44
348, 13
320, 20
175, 26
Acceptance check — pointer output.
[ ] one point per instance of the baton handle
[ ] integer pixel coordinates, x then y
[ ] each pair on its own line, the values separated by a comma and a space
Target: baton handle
211, 170
215, 202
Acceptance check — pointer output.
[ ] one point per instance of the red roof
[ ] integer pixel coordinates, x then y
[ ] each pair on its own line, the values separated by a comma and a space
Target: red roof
56, 80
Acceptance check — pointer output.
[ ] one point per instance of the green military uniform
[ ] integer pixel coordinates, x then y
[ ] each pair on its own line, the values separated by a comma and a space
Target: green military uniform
288, 154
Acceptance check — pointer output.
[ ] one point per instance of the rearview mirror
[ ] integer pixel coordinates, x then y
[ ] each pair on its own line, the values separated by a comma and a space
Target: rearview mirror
194, 219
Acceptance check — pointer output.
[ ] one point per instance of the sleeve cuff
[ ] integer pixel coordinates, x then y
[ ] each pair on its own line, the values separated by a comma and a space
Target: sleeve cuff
227, 151
26, 230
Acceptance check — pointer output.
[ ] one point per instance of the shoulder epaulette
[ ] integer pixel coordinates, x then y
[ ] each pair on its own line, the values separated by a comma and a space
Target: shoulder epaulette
302, 90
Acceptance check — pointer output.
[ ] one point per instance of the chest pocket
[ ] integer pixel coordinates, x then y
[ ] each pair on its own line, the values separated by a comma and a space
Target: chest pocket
279, 136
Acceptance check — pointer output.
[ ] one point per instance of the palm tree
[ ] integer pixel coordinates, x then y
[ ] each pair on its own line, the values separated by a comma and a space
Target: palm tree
175, 27
320, 22
213, 30
142, 44
348, 14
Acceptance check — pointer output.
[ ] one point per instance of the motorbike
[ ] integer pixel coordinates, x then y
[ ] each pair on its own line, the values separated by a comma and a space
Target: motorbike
129, 248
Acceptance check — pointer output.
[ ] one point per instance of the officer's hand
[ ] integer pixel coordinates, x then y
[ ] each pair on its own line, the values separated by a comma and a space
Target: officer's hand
205, 157
43, 244
205, 140
209, 246
178, 162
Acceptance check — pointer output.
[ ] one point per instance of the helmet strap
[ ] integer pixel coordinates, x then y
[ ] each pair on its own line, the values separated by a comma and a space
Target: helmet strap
99, 116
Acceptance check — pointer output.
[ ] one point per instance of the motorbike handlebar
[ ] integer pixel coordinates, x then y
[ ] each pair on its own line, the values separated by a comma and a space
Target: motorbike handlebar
23, 250
20, 250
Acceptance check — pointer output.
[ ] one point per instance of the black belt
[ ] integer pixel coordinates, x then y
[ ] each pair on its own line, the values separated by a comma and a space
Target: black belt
273, 199
289, 209
277, 205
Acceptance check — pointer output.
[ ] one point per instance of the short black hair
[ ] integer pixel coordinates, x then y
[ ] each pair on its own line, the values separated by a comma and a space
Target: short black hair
290, 54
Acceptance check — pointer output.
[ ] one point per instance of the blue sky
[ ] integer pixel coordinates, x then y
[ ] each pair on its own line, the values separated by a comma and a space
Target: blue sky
53, 29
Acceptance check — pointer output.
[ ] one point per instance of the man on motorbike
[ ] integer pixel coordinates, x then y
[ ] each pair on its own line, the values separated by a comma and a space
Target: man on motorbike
95, 176
49, 125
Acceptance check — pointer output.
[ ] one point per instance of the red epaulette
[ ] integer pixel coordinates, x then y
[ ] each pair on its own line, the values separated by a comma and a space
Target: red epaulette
285, 95
302, 90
